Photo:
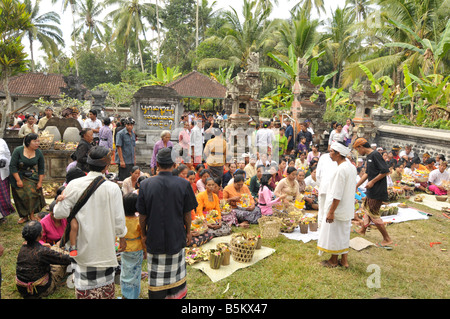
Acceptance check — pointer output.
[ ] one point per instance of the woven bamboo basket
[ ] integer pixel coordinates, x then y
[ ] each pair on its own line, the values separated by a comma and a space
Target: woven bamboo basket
46, 141
269, 227
242, 252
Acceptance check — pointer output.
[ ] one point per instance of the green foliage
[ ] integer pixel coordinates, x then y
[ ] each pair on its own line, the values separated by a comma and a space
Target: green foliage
119, 95
163, 77
338, 107
278, 100
223, 76
95, 67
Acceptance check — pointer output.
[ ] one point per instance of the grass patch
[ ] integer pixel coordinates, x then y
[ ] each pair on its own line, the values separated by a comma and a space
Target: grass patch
412, 270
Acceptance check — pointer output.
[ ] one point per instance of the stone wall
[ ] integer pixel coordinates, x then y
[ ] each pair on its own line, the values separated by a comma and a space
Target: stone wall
433, 141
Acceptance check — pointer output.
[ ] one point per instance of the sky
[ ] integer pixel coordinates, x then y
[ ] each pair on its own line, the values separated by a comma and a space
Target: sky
280, 11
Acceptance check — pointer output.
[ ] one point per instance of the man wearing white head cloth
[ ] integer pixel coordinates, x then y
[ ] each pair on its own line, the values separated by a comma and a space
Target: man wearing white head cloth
339, 206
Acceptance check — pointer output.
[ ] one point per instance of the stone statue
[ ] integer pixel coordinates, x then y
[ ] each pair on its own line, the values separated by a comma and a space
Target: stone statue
253, 62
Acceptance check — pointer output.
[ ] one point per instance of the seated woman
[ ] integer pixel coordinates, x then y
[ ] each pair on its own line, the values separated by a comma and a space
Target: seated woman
255, 182
218, 187
289, 186
129, 183
37, 274
201, 183
235, 194
265, 196
52, 228
208, 201
438, 178
411, 170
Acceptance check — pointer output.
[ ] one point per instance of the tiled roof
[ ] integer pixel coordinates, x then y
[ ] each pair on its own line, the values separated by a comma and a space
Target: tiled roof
35, 85
197, 85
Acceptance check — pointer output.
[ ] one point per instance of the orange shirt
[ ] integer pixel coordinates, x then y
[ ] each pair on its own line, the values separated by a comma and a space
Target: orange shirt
205, 205
229, 191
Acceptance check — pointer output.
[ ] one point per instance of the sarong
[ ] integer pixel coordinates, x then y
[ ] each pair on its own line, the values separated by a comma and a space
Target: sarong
28, 199
371, 209
130, 274
167, 276
249, 216
6, 208
94, 282
216, 171
334, 237
201, 239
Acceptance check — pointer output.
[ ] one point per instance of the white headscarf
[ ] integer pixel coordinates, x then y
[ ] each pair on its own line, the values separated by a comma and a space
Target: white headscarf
341, 149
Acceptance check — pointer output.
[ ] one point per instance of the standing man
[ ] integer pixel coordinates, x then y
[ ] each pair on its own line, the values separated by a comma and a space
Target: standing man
289, 133
376, 189
326, 168
94, 124
281, 142
125, 146
48, 115
100, 220
166, 228
216, 152
197, 141
335, 230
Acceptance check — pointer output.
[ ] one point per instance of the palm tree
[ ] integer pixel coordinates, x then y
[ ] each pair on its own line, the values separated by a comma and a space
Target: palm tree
88, 22
42, 29
307, 5
400, 21
243, 37
301, 32
341, 42
128, 19
73, 6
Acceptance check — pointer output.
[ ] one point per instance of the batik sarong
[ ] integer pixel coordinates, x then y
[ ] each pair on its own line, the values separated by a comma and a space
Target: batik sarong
6, 208
94, 282
28, 199
371, 209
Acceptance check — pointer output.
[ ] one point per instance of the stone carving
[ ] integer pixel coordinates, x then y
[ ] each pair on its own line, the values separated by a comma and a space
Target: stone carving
253, 62
75, 88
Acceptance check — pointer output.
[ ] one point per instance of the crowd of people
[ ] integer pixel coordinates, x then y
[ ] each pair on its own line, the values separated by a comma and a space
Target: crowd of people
97, 215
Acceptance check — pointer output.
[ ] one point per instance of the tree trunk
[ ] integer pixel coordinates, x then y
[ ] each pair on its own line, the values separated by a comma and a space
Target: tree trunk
159, 35
72, 6
140, 55
6, 108
31, 54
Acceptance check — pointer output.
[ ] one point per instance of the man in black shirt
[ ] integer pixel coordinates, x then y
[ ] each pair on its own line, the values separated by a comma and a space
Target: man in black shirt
164, 204
376, 189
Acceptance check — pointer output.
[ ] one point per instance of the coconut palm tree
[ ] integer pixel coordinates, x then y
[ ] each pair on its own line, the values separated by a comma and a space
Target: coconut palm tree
73, 7
409, 22
44, 29
88, 23
243, 37
309, 4
129, 22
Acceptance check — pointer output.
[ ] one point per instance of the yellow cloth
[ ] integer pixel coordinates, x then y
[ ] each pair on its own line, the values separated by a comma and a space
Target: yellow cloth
216, 151
133, 236
205, 205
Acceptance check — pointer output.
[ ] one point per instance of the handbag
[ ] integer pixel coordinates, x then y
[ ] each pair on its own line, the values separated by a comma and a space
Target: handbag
79, 204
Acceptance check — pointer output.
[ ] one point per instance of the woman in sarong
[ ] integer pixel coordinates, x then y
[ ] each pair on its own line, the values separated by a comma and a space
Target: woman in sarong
208, 202
27, 173
289, 186
244, 210
37, 270
6, 208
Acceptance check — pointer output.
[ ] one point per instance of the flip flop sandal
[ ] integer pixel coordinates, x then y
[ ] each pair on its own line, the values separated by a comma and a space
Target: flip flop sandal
385, 247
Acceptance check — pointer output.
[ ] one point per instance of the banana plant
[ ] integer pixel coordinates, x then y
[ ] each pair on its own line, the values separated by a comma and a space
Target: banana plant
164, 77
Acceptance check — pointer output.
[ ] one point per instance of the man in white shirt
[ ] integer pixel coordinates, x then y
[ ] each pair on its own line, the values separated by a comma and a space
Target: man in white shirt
407, 154
93, 123
335, 231
325, 169
264, 138
196, 141
100, 220
311, 180
436, 179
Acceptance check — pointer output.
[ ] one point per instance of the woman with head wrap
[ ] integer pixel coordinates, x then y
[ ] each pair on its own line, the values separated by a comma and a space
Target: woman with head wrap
36, 275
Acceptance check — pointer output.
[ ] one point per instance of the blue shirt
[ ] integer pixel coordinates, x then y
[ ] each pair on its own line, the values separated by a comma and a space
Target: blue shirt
127, 142
290, 132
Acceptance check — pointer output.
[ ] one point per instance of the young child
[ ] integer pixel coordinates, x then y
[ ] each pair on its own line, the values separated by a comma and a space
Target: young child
302, 146
133, 251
